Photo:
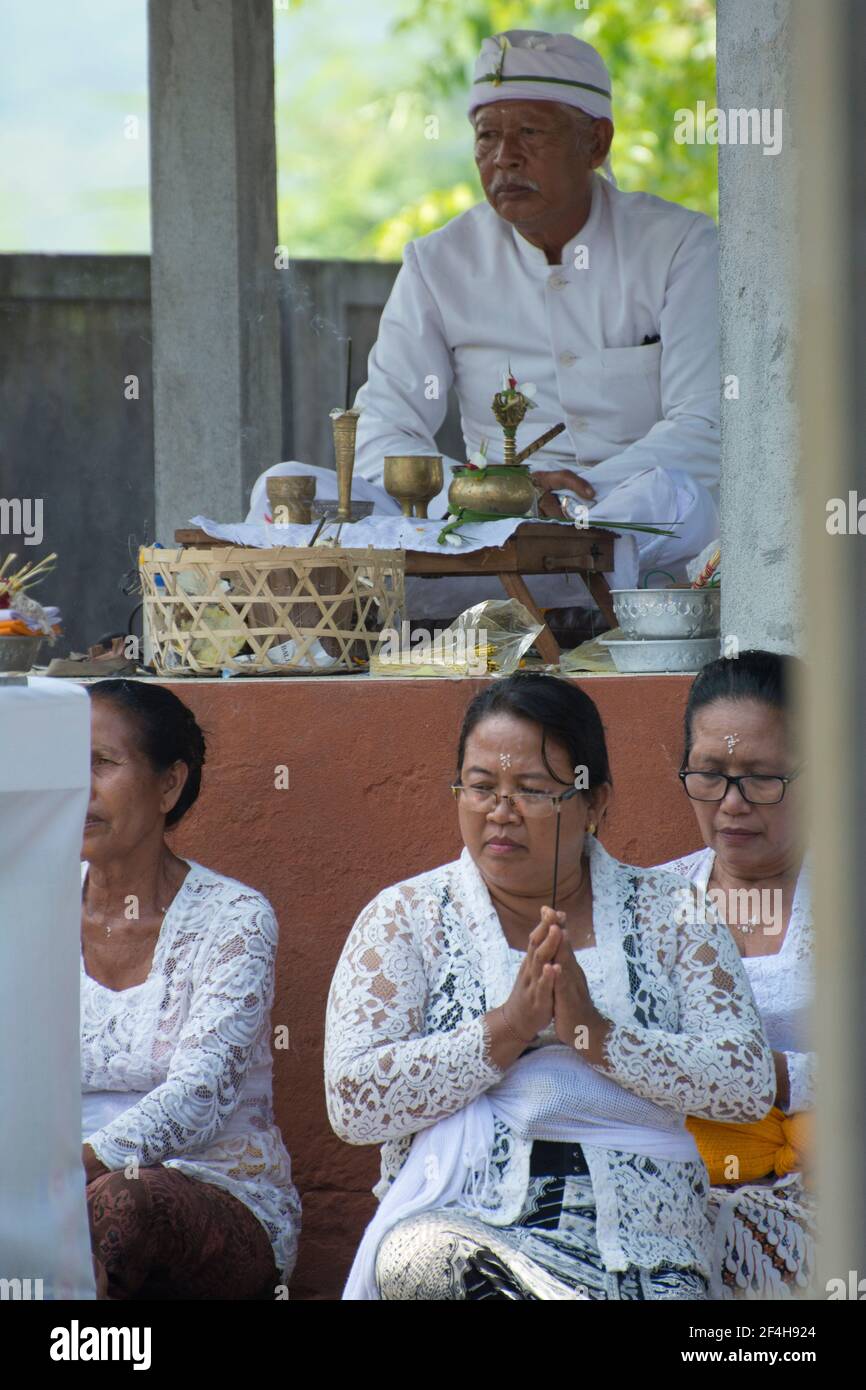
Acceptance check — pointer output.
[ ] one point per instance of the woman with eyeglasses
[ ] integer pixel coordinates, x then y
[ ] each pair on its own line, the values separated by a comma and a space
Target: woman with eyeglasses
741, 772
523, 1031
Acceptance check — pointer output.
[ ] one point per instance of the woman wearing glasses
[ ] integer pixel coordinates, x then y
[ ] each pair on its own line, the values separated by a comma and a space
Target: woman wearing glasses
741, 773
524, 1029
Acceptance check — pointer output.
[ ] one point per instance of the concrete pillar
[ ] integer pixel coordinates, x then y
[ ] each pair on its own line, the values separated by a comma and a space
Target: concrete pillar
832, 369
216, 335
762, 586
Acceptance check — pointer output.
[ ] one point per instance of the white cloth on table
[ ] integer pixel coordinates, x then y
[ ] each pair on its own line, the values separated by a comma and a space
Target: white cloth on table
653, 493
187, 1053
549, 1093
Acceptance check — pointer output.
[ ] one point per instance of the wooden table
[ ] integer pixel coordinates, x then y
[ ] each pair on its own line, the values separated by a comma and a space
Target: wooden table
536, 547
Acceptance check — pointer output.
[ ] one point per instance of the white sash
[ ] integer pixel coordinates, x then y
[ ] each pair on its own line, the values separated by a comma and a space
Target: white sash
550, 1094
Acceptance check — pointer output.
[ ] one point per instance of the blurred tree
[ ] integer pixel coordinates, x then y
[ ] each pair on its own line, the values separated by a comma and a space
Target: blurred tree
390, 158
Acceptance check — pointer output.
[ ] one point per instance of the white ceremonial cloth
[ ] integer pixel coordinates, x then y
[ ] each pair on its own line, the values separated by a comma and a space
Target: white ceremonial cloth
549, 1093
410, 533
655, 494
44, 791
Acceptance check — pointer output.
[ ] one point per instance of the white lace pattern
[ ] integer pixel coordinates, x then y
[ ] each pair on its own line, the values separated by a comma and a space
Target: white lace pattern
781, 983
406, 1044
194, 1039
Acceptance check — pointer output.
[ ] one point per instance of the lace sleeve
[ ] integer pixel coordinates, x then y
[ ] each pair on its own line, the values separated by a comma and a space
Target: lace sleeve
719, 1064
384, 1075
801, 1081
230, 1004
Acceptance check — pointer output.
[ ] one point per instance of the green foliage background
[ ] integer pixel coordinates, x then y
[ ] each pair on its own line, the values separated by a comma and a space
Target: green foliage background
355, 81
357, 175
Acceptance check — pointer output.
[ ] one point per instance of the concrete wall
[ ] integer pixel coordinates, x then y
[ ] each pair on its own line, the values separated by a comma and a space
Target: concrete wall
762, 594
368, 804
72, 330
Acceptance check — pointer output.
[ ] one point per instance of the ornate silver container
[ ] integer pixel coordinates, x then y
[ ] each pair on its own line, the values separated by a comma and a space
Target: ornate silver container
657, 614
688, 654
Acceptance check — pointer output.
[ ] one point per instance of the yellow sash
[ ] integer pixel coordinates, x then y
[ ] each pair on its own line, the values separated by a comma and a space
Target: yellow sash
743, 1153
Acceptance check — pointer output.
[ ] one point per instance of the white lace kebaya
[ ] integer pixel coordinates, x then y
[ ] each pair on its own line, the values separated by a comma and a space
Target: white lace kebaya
781, 983
406, 1045
178, 1070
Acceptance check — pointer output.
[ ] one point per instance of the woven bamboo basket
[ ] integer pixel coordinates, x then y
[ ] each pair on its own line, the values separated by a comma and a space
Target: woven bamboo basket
205, 610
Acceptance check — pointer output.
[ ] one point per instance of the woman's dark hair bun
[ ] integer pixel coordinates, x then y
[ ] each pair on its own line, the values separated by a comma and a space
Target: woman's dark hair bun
169, 732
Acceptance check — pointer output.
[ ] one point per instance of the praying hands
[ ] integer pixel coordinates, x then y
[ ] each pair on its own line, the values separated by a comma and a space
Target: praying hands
550, 985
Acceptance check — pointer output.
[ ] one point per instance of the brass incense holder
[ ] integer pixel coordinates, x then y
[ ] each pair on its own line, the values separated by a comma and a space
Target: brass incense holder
496, 489
509, 407
344, 423
413, 481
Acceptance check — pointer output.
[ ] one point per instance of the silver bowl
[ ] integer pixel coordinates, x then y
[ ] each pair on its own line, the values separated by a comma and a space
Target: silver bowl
18, 653
663, 613
688, 654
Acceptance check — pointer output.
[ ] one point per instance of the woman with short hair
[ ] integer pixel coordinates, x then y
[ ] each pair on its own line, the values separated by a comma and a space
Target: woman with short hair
523, 1031
189, 1185
742, 773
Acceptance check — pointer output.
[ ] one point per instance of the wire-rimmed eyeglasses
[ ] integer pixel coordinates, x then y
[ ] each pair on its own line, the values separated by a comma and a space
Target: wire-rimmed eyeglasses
529, 804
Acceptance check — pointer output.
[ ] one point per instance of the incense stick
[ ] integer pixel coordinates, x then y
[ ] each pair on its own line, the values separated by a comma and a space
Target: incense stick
555, 860
539, 443
708, 570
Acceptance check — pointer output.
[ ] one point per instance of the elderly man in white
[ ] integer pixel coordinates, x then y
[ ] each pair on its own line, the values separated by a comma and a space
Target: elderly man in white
605, 300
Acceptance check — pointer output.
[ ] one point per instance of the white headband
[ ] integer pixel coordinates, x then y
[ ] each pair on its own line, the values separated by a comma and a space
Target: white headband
530, 65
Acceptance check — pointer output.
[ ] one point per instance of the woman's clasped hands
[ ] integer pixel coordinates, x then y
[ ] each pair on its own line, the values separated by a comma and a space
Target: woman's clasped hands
551, 987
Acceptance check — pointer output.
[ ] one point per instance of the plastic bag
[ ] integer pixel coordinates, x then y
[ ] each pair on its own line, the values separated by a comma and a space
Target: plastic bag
489, 638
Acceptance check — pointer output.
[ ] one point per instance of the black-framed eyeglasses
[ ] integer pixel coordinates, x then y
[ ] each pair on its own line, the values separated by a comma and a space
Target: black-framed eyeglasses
527, 804
757, 788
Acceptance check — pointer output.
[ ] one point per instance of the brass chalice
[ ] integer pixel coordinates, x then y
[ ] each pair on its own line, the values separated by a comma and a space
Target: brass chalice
413, 480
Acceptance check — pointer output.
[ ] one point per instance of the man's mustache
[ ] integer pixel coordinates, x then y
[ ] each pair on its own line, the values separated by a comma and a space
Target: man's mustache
499, 184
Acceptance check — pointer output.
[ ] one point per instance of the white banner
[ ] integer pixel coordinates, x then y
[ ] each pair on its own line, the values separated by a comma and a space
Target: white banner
44, 791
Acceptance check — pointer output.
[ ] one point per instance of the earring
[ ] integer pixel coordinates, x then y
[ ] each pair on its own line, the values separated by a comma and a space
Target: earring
590, 829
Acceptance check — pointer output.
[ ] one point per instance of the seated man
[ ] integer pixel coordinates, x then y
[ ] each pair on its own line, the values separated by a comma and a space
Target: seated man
605, 300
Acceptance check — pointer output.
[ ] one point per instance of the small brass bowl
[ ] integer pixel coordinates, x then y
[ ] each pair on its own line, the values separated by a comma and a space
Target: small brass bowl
504, 493
289, 499
413, 480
